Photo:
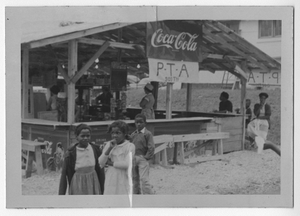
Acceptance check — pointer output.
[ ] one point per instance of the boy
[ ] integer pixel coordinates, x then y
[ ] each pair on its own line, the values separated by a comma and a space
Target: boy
144, 151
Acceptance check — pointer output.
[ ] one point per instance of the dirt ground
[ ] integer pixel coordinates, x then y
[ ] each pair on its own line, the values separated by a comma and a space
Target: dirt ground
243, 172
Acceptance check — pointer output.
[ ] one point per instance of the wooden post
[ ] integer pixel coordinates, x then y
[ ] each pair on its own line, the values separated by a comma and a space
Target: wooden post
164, 157
243, 111
169, 116
72, 68
181, 153
157, 158
189, 97
29, 161
25, 82
220, 147
169, 101
30, 102
39, 160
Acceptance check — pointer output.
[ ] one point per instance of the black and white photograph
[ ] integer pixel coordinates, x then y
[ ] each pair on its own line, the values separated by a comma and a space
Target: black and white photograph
149, 107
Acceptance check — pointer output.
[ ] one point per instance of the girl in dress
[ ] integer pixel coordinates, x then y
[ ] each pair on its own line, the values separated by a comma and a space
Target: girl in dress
81, 170
118, 154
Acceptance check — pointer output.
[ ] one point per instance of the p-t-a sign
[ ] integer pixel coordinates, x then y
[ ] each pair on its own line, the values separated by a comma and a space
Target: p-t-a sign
173, 71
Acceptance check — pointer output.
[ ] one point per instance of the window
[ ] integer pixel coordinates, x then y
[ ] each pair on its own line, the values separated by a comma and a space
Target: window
269, 28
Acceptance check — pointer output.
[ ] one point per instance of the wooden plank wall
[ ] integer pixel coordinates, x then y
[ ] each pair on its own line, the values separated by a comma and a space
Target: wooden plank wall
233, 125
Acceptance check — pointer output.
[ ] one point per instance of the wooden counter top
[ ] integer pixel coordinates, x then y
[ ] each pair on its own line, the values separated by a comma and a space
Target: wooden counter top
55, 124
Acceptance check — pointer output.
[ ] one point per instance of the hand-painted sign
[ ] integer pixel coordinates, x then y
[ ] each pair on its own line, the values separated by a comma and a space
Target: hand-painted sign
173, 71
268, 78
174, 40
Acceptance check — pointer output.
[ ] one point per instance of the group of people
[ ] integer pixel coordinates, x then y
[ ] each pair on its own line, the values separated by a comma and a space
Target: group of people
146, 103
121, 168
257, 127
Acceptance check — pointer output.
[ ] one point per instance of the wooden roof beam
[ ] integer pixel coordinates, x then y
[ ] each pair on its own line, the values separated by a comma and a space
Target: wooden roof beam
234, 49
240, 69
206, 67
219, 56
112, 44
77, 76
241, 40
75, 35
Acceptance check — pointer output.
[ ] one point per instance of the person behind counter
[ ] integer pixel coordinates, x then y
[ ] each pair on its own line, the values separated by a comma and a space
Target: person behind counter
80, 168
225, 105
104, 99
52, 103
147, 102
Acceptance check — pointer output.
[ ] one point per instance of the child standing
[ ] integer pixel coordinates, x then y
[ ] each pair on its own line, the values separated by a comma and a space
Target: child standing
144, 145
80, 168
119, 153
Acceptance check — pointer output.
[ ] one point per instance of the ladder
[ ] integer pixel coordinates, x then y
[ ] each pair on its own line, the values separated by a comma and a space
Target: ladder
228, 76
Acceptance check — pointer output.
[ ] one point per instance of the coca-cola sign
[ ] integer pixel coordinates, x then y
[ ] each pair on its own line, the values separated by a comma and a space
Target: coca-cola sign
183, 41
174, 40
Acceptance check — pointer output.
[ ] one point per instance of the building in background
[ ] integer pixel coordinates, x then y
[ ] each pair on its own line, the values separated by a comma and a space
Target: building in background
265, 35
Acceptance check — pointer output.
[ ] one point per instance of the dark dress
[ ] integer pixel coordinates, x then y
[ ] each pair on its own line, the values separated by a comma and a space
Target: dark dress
68, 170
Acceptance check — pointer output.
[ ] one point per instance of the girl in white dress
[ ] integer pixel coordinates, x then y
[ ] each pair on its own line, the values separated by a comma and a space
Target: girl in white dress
118, 154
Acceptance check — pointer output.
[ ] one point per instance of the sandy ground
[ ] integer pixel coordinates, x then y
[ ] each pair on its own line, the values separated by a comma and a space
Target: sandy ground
242, 172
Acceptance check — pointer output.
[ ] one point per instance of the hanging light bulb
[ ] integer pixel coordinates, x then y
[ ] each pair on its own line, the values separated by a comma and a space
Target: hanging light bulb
138, 66
97, 60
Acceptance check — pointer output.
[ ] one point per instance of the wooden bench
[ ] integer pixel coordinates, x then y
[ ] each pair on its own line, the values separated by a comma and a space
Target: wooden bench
164, 140
178, 140
33, 150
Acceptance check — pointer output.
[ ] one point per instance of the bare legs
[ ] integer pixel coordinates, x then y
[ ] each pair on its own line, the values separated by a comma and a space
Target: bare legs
268, 145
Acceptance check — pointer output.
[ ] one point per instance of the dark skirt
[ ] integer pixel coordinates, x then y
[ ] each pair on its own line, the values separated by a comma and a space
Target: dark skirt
85, 182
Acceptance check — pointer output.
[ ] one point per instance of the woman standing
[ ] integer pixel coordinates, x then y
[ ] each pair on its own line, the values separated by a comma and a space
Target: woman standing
147, 102
262, 110
259, 127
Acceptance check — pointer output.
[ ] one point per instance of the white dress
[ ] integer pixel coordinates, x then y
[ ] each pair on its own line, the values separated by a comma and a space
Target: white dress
118, 178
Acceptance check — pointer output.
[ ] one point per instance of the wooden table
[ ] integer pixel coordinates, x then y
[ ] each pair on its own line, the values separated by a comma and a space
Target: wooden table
33, 150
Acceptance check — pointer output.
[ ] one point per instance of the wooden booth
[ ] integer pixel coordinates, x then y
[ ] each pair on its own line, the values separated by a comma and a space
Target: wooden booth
81, 58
